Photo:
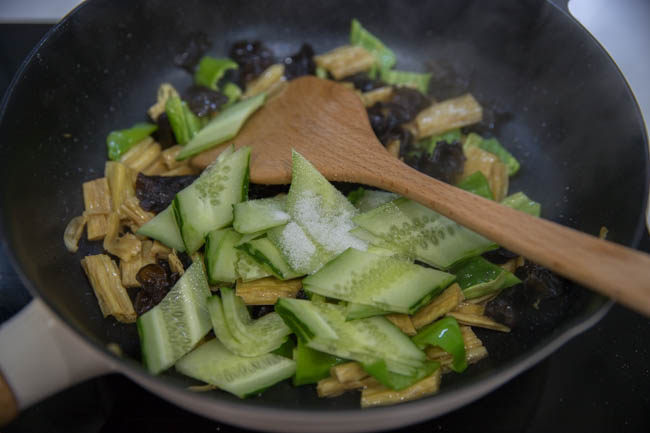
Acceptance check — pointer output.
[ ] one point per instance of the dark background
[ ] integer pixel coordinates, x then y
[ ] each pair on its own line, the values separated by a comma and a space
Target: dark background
599, 382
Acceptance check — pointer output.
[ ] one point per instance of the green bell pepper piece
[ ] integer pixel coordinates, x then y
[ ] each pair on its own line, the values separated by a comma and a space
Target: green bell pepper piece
479, 277
312, 365
321, 72
119, 142
420, 81
445, 333
232, 92
493, 146
286, 349
429, 144
520, 201
359, 36
356, 195
478, 184
396, 381
210, 71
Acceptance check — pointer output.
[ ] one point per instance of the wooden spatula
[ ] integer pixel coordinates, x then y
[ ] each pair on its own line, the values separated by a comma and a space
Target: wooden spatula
327, 123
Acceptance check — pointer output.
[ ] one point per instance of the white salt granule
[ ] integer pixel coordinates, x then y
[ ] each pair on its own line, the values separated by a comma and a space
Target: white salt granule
296, 246
328, 227
278, 215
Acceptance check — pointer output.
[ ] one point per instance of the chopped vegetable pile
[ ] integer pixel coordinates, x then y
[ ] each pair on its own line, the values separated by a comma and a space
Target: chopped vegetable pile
367, 292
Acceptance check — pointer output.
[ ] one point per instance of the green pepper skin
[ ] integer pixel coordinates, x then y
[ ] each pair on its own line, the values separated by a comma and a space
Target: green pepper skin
119, 142
210, 70
395, 381
479, 277
478, 184
312, 365
286, 349
429, 144
444, 333
521, 202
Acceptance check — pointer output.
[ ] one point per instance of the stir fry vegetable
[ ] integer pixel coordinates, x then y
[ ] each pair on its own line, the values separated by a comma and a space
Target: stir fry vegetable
371, 292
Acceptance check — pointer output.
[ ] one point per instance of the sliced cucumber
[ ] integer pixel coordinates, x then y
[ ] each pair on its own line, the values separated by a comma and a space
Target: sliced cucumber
377, 241
264, 252
221, 328
172, 328
386, 283
250, 236
259, 215
221, 257
323, 327
223, 127
321, 220
249, 337
163, 228
206, 204
426, 235
373, 198
248, 269
355, 311
214, 364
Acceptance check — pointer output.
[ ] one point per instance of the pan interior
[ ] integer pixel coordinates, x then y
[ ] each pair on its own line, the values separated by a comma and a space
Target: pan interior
550, 93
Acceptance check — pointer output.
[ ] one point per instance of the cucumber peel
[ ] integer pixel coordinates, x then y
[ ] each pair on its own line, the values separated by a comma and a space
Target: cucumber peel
222, 127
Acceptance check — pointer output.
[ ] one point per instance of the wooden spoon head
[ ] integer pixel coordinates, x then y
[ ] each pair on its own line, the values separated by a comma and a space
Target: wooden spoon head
325, 121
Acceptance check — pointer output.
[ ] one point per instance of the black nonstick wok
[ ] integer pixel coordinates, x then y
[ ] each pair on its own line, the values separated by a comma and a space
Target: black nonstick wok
551, 94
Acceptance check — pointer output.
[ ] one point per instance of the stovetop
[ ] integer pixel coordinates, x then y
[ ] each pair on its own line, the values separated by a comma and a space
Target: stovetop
599, 382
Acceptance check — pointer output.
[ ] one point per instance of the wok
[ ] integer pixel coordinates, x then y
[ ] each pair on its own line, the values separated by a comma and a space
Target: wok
552, 93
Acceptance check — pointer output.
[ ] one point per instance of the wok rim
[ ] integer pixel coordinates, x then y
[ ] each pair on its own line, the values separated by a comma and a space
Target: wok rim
350, 419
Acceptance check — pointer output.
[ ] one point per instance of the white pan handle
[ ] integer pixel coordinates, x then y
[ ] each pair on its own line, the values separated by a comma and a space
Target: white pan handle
40, 356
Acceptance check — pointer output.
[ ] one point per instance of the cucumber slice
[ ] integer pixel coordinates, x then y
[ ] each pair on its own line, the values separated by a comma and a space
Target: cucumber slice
321, 220
323, 327
251, 337
264, 252
172, 328
377, 241
221, 257
163, 228
248, 269
426, 235
214, 364
383, 282
206, 204
373, 198
250, 236
355, 311
223, 127
221, 328
258, 215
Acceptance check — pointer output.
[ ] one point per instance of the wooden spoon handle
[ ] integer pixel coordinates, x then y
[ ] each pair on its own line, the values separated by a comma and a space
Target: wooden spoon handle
616, 271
